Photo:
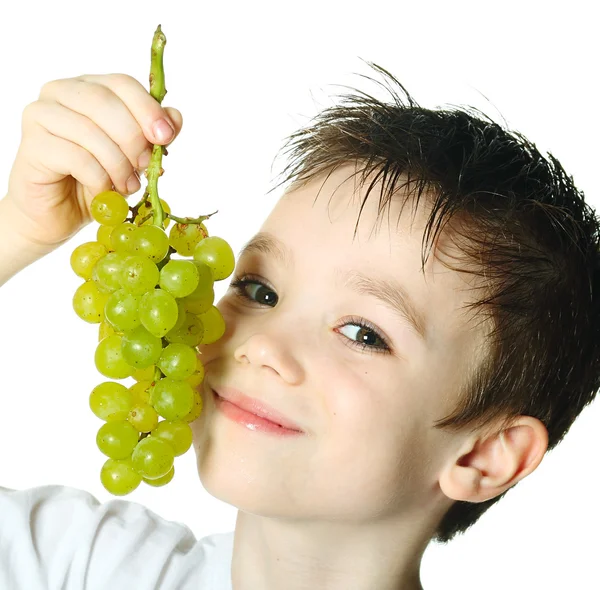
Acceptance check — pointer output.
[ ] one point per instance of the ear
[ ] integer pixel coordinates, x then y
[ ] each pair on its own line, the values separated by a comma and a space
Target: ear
486, 467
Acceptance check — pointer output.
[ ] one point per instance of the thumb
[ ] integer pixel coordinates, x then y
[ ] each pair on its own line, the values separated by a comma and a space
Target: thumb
176, 119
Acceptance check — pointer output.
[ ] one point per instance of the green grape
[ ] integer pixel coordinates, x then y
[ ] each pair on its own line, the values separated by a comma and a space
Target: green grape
146, 208
122, 238
172, 399
178, 434
152, 458
196, 410
117, 439
121, 310
184, 237
202, 298
190, 332
109, 208
179, 277
158, 312
161, 481
140, 348
214, 325
140, 391
111, 401
152, 242
143, 417
102, 288
195, 379
89, 302
206, 280
139, 275
107, 272
105, 329
178, 361
199, 306
217, 254
146, 374
119, 477
103, 236
85, 256
109, 358
180, 315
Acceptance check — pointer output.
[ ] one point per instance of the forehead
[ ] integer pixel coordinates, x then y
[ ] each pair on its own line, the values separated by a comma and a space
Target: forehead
318, 223
331, 211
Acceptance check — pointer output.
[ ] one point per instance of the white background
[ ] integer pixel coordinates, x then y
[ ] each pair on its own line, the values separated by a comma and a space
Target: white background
244, 75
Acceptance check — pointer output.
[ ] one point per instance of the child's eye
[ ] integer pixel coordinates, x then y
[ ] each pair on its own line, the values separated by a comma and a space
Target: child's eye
367, 335
260, 293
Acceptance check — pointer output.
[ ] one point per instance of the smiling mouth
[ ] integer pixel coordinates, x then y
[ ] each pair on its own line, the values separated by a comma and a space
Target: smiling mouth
249, 420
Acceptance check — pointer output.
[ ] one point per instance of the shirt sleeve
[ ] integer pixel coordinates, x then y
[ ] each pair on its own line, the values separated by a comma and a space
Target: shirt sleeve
60, 538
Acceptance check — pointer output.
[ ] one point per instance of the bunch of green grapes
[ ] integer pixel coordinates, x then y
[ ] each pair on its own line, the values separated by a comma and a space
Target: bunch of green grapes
153, 311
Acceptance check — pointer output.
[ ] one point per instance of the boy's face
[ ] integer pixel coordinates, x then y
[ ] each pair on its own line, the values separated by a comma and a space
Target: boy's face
369, 449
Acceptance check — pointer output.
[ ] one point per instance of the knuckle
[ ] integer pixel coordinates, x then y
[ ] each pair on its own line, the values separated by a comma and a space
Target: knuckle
31, 114
135, 143
123, 166
99, 93
88, 91
120, 170
49, 88
88, 126
91, 168
121, 78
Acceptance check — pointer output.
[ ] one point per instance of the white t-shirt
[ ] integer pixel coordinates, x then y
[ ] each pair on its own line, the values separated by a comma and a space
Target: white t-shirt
61, 538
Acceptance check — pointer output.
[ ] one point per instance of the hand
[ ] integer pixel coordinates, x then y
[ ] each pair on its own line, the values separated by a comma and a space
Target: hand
83, 135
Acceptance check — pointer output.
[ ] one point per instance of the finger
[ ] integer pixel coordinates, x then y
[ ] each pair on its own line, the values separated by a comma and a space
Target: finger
80, 130
67, 158
146, 109
99, 104
143, 107
176, 119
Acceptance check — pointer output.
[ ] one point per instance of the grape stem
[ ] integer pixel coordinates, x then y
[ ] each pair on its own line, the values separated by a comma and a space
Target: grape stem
134, 210
158, 91
189, 220
155, 170
166, 258
144, 219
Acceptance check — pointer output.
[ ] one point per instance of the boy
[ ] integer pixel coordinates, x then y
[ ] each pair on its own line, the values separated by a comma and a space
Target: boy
422, 368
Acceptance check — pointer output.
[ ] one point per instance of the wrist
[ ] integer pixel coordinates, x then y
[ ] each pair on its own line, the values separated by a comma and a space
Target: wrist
17, 251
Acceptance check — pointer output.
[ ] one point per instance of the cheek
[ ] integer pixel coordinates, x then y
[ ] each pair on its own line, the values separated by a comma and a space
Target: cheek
372, 434
354, 397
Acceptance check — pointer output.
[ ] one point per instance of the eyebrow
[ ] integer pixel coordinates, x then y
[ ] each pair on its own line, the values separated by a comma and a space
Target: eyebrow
389, 292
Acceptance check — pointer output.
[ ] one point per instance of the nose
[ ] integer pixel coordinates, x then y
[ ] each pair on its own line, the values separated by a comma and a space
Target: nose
264, 351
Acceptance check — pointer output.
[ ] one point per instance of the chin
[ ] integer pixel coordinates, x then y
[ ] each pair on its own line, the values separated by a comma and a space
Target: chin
229, 486
233, 480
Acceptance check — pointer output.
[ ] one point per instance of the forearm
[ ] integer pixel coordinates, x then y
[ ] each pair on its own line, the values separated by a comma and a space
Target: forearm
15, 251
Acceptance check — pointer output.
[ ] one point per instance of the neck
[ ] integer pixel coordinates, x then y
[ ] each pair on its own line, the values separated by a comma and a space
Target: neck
270, 554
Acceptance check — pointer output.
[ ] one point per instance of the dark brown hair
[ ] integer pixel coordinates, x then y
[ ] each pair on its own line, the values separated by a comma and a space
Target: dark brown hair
523, 229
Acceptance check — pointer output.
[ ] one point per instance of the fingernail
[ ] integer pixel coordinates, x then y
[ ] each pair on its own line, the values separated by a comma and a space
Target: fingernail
162, 130
145, 158
133, 183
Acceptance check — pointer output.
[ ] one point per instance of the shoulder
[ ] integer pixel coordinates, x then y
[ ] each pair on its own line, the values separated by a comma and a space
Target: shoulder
67, 535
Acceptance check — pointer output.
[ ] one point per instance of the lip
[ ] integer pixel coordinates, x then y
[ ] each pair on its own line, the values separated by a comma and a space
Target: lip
255, 407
